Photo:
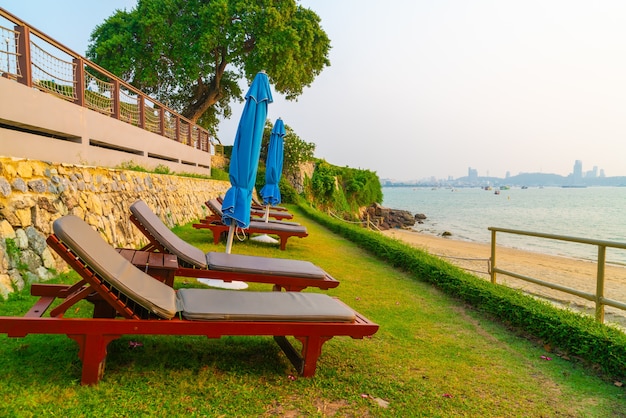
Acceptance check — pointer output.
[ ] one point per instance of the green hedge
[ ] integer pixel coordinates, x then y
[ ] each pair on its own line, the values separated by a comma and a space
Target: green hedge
576, 335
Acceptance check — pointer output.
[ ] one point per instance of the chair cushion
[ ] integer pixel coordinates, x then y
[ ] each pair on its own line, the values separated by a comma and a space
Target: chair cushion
182, 249
113, 268
215, 206
263, 265
229, 305
277, 226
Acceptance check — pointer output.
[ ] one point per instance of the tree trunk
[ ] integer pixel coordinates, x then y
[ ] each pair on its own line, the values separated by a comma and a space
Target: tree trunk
209, 94
208, 98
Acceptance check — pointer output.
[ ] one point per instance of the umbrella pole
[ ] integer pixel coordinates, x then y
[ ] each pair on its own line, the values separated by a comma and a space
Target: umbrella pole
265, 238
229, 240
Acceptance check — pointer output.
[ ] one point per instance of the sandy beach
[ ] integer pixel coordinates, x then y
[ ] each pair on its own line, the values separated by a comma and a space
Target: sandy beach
573, 273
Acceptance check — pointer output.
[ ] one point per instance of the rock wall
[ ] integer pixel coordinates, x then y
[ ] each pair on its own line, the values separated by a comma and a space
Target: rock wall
35, 193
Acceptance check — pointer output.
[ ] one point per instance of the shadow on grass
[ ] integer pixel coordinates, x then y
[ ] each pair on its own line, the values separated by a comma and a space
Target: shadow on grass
54, 358
249, 355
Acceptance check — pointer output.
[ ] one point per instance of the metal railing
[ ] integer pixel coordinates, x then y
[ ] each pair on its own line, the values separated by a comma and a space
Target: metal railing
33, 59
598, 297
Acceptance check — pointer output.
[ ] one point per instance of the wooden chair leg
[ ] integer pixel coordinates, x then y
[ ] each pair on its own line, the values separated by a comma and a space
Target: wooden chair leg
92, 352
305, 362
283, 241
311, 351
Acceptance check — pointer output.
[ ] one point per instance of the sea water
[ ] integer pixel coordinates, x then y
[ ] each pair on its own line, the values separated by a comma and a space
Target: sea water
592, 213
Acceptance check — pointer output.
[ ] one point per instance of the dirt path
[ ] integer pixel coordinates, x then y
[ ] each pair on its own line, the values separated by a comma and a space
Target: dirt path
573, 273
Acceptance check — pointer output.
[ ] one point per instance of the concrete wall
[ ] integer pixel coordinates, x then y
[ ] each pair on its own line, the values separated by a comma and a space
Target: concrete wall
41, 126
34, 193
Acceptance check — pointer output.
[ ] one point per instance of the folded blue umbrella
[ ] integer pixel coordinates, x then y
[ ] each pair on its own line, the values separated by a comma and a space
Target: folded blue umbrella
274, 165
244, 160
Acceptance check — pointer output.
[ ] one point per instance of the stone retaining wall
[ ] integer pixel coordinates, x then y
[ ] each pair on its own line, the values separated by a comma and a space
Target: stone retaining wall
35, 193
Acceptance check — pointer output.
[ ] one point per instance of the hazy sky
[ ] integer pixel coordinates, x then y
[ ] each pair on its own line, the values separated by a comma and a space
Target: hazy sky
421, 88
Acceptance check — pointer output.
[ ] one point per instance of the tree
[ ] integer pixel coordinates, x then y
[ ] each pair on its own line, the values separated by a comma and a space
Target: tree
191, 54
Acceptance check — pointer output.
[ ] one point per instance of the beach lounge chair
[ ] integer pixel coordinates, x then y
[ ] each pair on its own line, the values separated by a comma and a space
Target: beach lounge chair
283, 229
215, 206
149, 307
293, 275
276, 214
256, 204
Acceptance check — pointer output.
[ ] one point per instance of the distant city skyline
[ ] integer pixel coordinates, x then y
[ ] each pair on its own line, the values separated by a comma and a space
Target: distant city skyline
473, 177
577, 172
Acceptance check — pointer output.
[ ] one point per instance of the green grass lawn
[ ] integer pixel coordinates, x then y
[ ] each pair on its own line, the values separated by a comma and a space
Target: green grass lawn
432, 356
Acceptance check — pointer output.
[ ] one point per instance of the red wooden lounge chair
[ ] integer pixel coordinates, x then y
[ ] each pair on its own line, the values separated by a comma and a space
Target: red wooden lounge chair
256, 204
258, 215
149, 307
293, 275
284, 230
256, 212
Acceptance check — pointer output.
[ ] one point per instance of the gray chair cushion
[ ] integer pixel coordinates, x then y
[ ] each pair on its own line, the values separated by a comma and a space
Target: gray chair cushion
215, 206
94, 251
212, 305
167, 238
276, 226
263, 265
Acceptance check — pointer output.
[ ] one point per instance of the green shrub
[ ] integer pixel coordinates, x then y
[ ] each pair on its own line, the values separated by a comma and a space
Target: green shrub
162, 169
323, 182
219, 174
131, 166
287, 193
14, 253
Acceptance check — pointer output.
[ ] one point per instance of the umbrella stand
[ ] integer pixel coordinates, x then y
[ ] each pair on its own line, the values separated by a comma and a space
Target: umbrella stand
235, 284
265, 238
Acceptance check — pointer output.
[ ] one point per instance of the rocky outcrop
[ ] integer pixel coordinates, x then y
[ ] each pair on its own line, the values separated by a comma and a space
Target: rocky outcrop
297, 177
35, 193
385, 218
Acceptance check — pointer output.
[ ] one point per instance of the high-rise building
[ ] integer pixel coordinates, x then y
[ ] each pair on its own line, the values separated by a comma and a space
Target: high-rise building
578, 169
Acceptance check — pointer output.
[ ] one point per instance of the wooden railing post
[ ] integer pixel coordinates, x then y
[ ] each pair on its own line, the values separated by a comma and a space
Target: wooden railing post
115, 95
79, 82
24, 70
141, 102
493, 257
600, 284
162, 121
177, 134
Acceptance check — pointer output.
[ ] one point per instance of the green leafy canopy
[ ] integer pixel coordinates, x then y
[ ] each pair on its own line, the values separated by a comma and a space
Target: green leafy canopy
191, 54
